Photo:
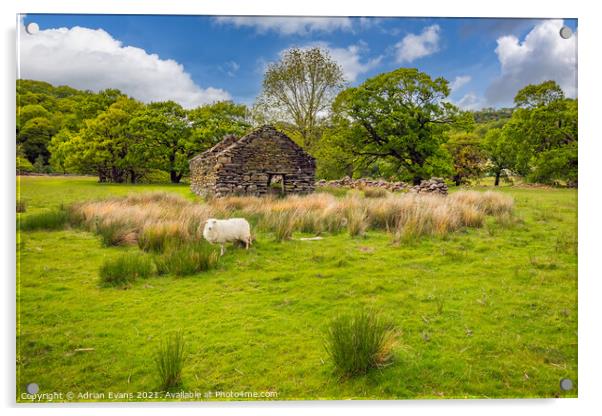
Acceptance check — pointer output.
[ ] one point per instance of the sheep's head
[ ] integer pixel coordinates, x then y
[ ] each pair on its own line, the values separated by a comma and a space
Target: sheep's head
209, 229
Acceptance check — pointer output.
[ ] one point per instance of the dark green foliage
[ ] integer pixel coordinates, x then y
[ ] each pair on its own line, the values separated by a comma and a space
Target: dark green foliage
46, 220
169, 361
359, 342
125, 269
187, 259
400, 118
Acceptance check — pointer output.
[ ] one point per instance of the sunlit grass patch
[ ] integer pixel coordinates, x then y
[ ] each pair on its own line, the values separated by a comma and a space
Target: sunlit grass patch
55, 219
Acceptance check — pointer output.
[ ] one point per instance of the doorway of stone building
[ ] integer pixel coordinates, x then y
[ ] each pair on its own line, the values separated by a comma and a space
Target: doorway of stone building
276, 184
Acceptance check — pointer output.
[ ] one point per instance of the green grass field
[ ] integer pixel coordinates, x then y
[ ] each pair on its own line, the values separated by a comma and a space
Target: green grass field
488, 312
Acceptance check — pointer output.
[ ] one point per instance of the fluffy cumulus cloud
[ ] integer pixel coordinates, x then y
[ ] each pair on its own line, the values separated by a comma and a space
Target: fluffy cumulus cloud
459, 82
350, 58
542, 55
92, 59
284, 25
414, 46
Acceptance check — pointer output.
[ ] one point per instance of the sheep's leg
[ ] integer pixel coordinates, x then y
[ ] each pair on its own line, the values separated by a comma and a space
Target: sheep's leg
222, 250
247, 243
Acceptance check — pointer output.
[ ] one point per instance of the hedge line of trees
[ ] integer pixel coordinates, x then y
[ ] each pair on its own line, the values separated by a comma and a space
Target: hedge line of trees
109, 134
397, 125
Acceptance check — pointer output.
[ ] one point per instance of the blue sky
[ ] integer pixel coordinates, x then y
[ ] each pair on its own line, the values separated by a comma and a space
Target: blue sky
197, 59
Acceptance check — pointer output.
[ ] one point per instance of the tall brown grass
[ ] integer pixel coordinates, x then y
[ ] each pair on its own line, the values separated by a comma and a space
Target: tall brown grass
153, 220
149, 219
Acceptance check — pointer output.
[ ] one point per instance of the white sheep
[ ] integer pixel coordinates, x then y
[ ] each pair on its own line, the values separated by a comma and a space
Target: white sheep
223, 231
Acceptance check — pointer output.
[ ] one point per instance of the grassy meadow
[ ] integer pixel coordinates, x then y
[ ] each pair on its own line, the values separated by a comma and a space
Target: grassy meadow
486, 308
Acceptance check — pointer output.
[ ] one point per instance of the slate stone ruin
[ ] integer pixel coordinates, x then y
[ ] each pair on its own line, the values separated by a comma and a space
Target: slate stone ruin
262, 162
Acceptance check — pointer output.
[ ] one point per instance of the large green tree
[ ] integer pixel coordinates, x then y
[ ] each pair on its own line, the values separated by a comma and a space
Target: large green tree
399, 118
543, 129
163, 133
298, 90
211, 122
106, 145
501, 153
468, 157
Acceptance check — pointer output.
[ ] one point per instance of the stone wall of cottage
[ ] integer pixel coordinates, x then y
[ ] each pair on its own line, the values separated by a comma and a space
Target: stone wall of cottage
261, 157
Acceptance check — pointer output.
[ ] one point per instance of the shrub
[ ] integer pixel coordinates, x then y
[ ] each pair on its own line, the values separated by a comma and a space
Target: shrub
47, 220
359, 342
169, 361
125, 269
187, 259
21, 206
375, 192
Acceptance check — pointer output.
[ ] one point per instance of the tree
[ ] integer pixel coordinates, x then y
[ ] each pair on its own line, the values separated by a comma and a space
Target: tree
163, 132
34, 138
468, 157
501, 153
211, 122
299, 90
57, 149
400, 118
543, 129
105, 145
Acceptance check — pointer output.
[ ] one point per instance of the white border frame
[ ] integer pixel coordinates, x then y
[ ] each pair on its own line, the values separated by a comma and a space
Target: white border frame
589, 219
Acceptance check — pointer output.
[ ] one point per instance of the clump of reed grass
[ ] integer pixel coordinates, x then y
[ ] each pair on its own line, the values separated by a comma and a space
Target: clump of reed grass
169, 361
147, 219
359, 341
55, 219
157, 237
125, 269
156, 220
187, 259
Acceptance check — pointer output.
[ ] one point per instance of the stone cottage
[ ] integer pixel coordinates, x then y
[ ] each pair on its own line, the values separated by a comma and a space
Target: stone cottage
264, 161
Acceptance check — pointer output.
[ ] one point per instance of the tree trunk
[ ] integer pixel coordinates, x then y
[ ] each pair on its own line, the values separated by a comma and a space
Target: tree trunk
497, 178
174, 177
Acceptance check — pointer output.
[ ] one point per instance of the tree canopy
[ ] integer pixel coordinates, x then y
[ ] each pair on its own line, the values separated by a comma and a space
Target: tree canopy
299, 89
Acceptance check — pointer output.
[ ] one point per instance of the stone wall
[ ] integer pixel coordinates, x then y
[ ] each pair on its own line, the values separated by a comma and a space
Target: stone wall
432, 186
246, 166
362, 183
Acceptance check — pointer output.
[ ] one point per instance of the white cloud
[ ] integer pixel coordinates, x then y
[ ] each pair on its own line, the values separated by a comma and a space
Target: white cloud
350, 60
470, 101
413, 46
92, 59
290, 25
543, 55
459, 82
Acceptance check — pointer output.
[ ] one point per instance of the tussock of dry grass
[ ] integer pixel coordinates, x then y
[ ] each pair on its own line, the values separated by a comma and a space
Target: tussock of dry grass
149, 220
152, 220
